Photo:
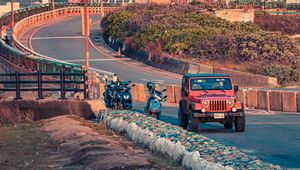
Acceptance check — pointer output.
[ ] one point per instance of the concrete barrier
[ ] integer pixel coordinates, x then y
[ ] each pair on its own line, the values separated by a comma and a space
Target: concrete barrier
157, 87
138, 93
298, 102
205, 68
263, 100
142, 96
135, 93
101, 90
275, 101
170, 93
241, 97
193, 68
252, 98
177, 92
289, 101
244, 79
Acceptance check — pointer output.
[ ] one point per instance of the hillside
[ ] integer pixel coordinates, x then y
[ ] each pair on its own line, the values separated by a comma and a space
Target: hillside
190, 32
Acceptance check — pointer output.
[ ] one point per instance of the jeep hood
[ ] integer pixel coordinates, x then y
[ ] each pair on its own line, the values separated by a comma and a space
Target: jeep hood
214, 97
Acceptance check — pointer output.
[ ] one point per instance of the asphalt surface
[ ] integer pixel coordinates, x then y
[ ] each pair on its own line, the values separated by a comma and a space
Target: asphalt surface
67, 44
272, 138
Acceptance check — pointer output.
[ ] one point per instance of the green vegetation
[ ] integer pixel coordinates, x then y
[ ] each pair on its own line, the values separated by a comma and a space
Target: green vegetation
194, 33
282, 23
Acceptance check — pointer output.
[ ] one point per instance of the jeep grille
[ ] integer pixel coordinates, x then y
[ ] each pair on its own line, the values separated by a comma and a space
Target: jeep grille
219, 105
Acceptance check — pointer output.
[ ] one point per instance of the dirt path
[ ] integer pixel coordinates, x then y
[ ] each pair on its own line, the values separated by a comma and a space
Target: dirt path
69, 142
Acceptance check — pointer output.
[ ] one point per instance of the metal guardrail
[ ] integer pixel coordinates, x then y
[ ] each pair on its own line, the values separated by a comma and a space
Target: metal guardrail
63, 79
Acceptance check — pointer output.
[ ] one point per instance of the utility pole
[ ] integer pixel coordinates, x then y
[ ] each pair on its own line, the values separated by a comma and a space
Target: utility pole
87, 62
12, 17
53, 5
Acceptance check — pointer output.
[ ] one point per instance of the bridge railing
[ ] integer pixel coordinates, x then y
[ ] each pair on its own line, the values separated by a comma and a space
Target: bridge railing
38, 80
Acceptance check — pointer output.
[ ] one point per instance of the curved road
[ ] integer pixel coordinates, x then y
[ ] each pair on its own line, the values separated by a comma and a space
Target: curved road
272, 138
63, 40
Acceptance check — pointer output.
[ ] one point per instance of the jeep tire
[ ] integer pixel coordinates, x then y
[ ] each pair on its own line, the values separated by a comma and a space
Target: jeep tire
240, 122
192, 122
228, 125
182, 119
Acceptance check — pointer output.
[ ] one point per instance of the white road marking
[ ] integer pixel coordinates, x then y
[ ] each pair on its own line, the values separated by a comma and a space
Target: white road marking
106, 59
63, 37
53, 59
158, 82
154, 81
273, 123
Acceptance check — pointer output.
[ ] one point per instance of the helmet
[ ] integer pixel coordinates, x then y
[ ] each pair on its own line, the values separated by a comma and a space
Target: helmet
150, 86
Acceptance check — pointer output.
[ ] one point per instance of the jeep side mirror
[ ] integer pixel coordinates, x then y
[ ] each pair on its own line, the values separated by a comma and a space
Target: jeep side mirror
236, 88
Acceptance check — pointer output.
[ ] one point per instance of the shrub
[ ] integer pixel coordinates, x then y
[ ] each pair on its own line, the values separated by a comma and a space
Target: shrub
284, 24
284, 74
187, 32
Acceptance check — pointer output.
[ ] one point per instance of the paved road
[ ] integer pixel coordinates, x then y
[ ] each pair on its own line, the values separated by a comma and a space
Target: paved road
67, 44
272, 138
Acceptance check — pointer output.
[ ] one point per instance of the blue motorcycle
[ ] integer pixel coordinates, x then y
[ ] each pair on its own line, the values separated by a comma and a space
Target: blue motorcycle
117, 95
123, 97
154, 103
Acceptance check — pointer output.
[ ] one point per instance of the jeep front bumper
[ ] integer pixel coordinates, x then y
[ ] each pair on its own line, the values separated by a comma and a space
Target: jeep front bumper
211, 115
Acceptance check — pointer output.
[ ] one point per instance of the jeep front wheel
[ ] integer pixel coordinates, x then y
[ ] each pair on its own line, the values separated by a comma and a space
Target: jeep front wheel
240, 122
182, 119
192, 122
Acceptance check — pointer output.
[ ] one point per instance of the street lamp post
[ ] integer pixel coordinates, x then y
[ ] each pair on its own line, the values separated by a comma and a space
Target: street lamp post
86, 31
12, 17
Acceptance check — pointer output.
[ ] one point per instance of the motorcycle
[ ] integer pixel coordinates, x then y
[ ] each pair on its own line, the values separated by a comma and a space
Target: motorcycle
117, 95
123, 97
154, 103
109, 95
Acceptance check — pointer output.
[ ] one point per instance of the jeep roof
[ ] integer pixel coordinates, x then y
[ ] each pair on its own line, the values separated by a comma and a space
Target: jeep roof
206, 75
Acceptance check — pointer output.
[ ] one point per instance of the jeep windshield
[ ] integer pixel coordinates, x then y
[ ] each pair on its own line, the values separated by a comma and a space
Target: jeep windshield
211, 84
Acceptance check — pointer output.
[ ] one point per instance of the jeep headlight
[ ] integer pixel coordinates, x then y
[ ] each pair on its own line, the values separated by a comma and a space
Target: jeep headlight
205, 103
230, 103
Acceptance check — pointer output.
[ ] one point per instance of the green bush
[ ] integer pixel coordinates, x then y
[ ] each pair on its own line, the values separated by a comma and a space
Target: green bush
188, 32
284, 74
282, 23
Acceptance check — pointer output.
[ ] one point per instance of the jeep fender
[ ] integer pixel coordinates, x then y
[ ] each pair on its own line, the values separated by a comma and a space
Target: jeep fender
239, 106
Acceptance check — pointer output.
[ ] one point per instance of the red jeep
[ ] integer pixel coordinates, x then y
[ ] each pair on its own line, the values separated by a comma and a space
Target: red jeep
209, 98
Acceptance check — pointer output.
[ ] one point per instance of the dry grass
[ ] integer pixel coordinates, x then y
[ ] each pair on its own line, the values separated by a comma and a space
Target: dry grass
25, 147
